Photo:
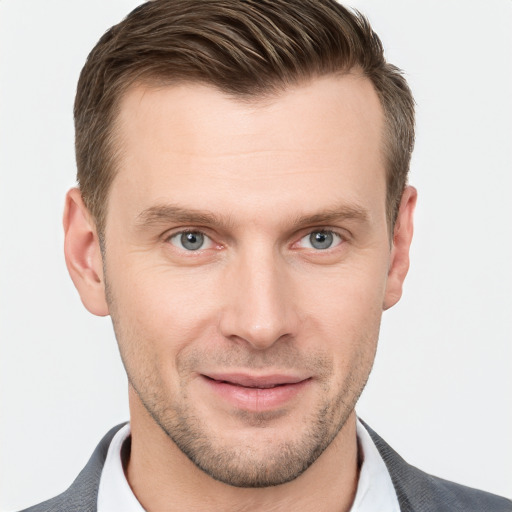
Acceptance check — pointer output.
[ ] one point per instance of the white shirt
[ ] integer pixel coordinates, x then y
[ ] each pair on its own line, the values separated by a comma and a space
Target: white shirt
375, 491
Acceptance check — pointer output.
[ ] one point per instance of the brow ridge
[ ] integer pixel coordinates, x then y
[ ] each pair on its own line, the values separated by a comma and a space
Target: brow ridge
160, 214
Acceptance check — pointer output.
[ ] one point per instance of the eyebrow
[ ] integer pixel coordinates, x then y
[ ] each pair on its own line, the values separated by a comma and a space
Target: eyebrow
162, 214
343, 212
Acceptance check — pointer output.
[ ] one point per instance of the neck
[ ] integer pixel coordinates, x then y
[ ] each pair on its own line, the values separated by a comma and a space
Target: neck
162, 477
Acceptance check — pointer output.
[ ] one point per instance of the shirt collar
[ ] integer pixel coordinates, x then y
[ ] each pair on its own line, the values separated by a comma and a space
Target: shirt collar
115, 493
375, 490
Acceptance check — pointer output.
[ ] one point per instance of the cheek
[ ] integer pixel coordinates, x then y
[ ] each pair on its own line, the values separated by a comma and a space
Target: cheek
157, 313
343, 311
162, 297
347, 296
160, 311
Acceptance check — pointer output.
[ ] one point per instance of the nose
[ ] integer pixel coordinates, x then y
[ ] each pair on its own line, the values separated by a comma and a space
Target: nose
259, 304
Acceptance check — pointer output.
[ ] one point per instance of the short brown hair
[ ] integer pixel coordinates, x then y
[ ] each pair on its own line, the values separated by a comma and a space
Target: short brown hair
244, 48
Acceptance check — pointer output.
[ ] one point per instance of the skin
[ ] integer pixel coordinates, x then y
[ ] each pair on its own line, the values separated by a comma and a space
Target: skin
257, 300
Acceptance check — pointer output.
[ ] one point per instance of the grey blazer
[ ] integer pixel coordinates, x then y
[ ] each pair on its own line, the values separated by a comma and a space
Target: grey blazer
417, 491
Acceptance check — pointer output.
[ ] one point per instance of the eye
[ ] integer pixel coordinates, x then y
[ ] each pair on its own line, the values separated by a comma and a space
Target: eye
190, 240
321, 240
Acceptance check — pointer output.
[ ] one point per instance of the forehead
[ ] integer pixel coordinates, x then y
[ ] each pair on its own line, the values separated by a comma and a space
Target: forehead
191, 144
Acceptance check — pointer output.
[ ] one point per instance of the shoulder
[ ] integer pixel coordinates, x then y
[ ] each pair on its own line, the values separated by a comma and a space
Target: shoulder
453, 496
82, 495
418, 491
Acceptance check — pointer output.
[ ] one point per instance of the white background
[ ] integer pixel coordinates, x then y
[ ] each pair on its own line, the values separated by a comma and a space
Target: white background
441, 389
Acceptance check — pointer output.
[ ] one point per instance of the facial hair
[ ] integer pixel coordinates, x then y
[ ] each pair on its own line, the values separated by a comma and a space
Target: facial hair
248, 464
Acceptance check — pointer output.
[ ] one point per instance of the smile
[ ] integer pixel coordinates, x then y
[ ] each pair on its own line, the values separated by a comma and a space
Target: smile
255, 393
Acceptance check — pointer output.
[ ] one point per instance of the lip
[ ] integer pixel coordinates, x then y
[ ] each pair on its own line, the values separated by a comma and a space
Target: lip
255, 393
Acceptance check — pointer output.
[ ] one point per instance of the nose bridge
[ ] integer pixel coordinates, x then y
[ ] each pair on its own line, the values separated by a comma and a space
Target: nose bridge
260, 309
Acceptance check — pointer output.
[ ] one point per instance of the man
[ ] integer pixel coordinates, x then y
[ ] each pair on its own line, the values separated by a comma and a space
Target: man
244, 217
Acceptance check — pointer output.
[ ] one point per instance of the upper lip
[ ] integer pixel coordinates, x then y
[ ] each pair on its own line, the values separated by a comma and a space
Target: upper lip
255, 381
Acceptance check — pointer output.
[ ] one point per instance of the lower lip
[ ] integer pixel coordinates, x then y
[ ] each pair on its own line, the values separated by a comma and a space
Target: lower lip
256, 399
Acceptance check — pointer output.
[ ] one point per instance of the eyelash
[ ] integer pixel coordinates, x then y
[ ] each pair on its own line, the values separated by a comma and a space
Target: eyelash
341, 239
334, 234
189, 232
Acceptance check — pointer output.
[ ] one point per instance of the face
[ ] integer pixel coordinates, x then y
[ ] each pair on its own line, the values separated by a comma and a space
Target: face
247, 263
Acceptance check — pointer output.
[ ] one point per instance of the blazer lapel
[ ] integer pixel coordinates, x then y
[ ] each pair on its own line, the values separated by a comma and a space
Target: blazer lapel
82, 495
418, 491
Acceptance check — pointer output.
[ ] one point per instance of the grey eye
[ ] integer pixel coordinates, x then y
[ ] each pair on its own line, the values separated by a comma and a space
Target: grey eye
192, 241
189, 240
321, 239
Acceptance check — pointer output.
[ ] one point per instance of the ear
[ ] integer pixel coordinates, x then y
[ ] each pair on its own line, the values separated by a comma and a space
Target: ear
83, 254
402, 237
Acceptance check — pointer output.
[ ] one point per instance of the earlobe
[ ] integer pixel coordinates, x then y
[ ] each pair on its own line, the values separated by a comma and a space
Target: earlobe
402, 238
83, 254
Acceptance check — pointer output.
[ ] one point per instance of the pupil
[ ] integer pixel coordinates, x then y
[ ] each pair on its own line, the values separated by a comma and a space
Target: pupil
321, 239
192, 241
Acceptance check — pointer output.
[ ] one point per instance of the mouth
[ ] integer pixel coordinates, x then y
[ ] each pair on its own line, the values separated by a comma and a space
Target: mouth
256, 393
252, 381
